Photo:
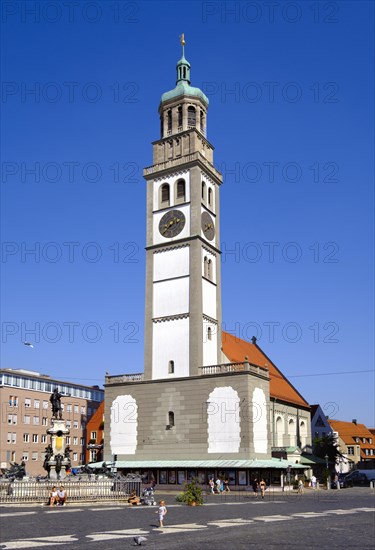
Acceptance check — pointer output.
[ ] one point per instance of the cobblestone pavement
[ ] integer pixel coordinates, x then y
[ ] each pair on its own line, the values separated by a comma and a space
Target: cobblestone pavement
324, 519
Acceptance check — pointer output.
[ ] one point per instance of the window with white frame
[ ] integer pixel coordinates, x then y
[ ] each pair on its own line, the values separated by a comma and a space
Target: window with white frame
9, 437
68, 439
93, 435
34, 455
27, 402
36, 420
69, 408
44, 421
43, 438
14, 438
14, 419
82, 441
10, 419
26, 419
68, 424
83, 410
45, 405
35, 438
26, 438
25, 456
75, 424
36, 404
75, 440
75, 457
76, 408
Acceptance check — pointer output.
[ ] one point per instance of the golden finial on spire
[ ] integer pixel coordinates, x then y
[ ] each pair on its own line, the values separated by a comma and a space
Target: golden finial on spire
182, 39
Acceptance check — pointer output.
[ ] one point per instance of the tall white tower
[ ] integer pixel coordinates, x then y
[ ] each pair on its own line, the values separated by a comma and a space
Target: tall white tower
183, 286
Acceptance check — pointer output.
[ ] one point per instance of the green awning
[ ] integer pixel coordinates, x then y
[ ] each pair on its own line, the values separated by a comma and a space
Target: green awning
272, 463
311, 460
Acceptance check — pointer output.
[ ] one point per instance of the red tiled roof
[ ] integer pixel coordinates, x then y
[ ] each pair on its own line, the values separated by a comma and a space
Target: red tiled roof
348, 431
280, 388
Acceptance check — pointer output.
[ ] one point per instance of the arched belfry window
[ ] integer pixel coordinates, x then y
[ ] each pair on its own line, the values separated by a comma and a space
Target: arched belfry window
180, 191
209, 333
179, 118
171, 367
169, 120
171, 419
210, 196
164, 195
191, 116
203, 191
161, 127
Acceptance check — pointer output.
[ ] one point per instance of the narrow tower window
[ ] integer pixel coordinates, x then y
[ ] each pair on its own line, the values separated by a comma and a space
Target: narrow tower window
180, 192
203, 191
171, 419
180, 116
169, 118
191, 116
210, 196
205, 267
171, 367
165, 194
209, 333
209, 269
202, 122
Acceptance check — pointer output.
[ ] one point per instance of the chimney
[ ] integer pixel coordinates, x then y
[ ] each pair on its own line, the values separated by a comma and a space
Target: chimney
354, 421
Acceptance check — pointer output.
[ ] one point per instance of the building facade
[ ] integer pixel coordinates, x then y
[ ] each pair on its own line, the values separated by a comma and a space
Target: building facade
355, 441
26, 416
204, 405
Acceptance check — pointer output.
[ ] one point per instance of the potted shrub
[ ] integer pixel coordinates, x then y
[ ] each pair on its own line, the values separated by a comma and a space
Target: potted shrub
192, 494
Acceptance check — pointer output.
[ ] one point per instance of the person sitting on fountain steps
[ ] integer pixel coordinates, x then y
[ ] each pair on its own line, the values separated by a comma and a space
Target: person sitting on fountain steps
61, 493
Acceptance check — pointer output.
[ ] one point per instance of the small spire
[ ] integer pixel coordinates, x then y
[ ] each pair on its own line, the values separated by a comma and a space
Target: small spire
183, 66
182, 42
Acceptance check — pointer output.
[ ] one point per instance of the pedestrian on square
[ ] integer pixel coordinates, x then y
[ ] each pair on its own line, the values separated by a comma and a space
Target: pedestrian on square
62, 496
262, 486
255, 487
300, 487
313, 482
162, 511
218, 485
53, 498
211, 483
226, 486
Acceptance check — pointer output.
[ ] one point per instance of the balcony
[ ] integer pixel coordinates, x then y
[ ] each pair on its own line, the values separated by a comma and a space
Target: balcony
124, 378
234, 368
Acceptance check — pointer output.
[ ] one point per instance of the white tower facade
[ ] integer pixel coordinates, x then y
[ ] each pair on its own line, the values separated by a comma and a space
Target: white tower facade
183, 285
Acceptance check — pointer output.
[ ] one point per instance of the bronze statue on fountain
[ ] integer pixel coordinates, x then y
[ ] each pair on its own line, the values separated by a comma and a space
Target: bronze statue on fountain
56, 404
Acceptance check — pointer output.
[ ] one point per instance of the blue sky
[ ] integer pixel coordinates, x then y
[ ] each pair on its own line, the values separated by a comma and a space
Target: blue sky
291, 119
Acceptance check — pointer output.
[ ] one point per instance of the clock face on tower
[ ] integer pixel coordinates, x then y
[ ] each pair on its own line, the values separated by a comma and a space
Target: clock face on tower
208, 226
172, 223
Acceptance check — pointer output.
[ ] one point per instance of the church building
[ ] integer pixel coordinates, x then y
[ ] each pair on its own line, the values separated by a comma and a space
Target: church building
207, 404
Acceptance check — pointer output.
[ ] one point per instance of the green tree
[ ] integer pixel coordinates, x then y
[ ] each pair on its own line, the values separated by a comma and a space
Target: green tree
326, 446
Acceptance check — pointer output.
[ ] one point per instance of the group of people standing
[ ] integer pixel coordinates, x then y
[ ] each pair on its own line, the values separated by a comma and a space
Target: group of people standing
259, 487
219, 486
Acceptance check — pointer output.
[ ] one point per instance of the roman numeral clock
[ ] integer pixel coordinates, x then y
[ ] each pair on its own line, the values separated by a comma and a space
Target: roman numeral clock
183, 287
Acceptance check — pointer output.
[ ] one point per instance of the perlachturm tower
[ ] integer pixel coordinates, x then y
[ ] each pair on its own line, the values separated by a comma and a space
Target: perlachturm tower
183, 289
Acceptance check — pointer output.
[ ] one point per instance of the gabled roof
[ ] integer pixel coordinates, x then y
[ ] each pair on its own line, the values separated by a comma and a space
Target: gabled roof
236, 349
349, 431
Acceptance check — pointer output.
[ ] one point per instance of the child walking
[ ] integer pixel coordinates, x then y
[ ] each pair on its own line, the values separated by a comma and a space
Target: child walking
161, 511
